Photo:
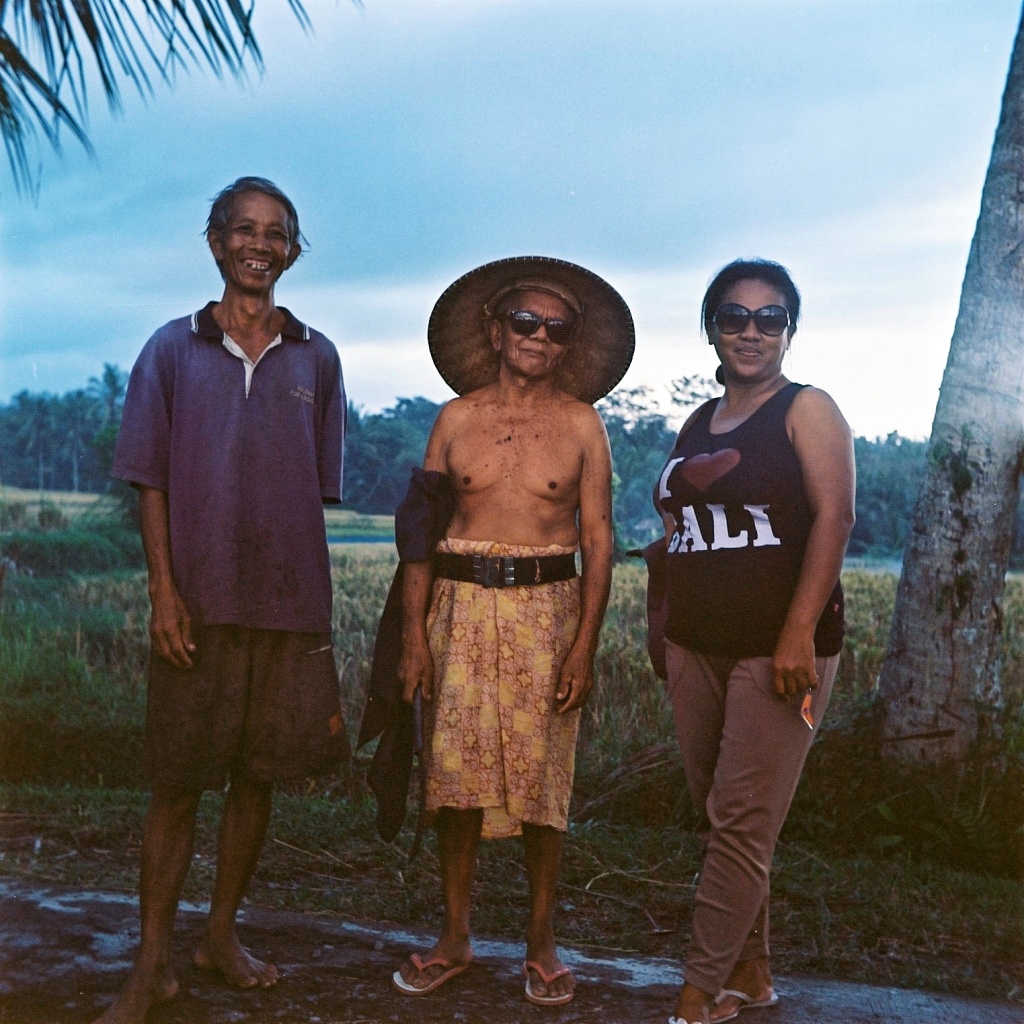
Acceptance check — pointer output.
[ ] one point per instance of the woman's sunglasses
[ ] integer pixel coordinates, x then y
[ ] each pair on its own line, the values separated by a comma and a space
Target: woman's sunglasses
731, 318
524, 323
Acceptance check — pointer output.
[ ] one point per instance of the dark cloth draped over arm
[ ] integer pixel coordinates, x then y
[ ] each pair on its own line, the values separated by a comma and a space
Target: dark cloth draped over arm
423, 515
421, 520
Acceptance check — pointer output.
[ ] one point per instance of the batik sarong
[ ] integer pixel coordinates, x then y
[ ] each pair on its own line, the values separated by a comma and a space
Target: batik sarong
492, 736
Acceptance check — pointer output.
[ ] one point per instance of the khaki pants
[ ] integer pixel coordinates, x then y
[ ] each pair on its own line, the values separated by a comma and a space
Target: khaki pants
743, 749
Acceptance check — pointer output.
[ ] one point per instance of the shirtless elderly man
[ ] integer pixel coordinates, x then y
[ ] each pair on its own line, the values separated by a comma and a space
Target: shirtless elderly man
499, 633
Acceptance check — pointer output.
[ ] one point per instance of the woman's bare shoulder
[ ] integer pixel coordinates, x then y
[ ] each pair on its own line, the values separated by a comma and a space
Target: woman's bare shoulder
814, 400
814, 409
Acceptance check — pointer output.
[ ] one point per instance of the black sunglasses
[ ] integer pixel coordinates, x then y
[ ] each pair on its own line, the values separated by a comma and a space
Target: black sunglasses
524, 323
731, 318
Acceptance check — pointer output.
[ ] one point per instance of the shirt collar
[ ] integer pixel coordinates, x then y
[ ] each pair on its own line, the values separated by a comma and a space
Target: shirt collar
207, 328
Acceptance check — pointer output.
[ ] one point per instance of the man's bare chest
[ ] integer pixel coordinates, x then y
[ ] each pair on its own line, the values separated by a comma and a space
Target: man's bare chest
539, 458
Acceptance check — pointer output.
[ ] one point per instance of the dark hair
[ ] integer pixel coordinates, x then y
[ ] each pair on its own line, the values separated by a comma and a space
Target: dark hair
224, 203
775, 275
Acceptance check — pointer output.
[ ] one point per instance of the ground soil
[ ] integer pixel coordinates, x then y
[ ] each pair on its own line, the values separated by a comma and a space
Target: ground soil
64, 953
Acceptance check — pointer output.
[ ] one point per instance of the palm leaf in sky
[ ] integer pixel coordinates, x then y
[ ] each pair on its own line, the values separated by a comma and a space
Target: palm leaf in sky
52, 51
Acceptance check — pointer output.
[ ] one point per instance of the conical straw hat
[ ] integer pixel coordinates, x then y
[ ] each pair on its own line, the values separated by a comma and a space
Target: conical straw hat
595, 361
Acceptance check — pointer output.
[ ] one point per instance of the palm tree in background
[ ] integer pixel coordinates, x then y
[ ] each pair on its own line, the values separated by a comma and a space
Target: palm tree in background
50, 49
108, 391
79, 414
35, 421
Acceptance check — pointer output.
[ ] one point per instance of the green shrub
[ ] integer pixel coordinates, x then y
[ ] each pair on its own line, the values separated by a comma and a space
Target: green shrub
851, 800
51, 518
104, 547
71, 703
13, 515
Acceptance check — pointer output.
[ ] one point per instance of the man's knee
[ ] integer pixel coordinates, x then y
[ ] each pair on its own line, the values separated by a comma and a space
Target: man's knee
543, 840
541, 831
458, 819
244, 790
244, 782
172, 803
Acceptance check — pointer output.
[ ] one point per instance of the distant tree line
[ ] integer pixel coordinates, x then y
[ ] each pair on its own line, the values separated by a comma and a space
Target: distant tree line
51, 442
888, 477
62, 443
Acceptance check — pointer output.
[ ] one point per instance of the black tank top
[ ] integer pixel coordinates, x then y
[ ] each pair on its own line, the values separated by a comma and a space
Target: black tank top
741, 525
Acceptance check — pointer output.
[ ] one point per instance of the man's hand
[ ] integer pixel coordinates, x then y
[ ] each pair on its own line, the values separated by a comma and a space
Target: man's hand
416, 669
575, 680
793, 663
170, 628
170, 625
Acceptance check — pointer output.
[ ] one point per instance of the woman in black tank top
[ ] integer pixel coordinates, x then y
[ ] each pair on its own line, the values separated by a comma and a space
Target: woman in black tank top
757, 497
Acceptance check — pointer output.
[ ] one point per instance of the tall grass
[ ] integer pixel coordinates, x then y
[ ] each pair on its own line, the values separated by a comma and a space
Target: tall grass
362, 575
627, 710
74, 652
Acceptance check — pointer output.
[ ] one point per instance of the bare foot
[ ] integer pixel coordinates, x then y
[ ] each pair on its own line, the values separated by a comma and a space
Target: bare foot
552, 982
693, 1005
751, 977
430, 970
143, 989
239, 967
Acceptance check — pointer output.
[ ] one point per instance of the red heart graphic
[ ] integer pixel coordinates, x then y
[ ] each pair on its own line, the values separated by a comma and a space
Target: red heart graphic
703, 470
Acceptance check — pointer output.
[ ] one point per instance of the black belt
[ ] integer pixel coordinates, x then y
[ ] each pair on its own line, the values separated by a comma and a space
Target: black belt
499, 571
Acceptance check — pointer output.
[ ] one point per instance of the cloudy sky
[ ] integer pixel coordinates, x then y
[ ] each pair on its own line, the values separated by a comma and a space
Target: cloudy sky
650, 140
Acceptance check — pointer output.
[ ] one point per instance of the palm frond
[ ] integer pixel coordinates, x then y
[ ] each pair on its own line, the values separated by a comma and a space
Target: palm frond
50, 48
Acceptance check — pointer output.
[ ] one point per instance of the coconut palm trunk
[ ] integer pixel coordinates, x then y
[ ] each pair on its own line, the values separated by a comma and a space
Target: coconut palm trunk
939, 687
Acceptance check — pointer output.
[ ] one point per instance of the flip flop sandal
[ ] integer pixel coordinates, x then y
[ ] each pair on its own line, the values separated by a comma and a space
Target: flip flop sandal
746, 1002
538, 1000
421, 965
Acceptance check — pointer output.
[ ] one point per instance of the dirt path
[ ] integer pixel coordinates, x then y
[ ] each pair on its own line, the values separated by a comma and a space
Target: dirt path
64, 953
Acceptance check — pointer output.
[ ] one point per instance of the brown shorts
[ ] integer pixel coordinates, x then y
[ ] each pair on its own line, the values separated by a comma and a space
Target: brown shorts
257, 703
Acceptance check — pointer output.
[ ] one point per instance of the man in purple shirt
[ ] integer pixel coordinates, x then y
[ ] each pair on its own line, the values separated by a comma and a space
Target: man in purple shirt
232, 432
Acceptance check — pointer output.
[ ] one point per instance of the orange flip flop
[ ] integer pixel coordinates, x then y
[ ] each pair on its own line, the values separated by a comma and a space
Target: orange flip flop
451, 969
565, 997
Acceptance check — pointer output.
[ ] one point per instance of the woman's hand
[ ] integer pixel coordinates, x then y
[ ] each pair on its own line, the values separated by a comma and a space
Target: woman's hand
793, 662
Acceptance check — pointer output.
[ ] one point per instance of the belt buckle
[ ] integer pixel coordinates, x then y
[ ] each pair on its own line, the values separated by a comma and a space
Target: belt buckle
493, 571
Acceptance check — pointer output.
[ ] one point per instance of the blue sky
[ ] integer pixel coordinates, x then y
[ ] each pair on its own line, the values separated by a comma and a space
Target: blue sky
650, 141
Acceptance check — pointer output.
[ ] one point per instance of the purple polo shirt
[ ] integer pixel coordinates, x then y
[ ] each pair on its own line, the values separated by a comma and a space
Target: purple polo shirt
246, 477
